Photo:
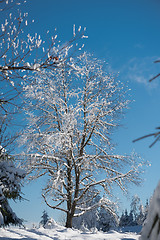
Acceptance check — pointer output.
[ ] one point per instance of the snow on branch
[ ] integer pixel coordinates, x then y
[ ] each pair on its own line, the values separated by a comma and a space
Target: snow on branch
71, 115
23, 55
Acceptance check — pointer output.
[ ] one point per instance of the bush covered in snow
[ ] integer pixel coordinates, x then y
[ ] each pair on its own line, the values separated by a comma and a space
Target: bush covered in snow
50, 224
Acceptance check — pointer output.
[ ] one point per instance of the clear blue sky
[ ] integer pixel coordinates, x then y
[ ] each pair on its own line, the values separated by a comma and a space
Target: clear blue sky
127, 35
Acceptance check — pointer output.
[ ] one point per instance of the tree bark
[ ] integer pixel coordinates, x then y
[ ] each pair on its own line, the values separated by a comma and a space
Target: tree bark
69, 221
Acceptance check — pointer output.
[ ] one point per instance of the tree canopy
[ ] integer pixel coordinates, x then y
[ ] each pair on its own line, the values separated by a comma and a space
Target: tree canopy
72, 112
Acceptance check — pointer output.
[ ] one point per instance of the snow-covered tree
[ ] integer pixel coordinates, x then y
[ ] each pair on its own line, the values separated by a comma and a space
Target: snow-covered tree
22, 54
10, 188
50, 224
141, 215
45, 218
10, 176
107, 220
72, 112
96, 218
126, 219
90, 219
146, 208
135, 206
137, 213
151, 228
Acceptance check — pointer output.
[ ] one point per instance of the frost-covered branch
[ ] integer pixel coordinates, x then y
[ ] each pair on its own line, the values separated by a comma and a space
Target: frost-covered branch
21, 54
71, 114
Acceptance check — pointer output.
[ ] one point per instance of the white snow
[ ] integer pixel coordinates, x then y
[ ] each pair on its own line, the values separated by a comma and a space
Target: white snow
151, 228
51, 223
60, 232
1, 219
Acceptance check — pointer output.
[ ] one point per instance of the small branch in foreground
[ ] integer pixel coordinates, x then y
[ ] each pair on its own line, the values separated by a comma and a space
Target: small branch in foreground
157, 61
156, 135
154, 77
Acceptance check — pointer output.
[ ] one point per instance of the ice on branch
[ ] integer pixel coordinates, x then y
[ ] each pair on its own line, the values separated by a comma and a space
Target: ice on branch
71, 113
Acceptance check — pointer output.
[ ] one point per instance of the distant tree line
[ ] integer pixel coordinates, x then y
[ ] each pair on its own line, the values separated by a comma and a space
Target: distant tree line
103, 219
137, 214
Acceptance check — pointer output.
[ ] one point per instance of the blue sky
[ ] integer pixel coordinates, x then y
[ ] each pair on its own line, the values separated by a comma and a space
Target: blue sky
126, 34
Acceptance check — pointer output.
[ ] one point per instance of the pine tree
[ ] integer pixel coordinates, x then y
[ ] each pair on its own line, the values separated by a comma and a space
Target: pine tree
126, 220
141, 216
135, 206
121, 221
45, 218
146, 209
107, 220
10, 188
131, 219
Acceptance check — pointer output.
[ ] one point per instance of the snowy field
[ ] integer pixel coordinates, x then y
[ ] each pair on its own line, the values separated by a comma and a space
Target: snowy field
60, 232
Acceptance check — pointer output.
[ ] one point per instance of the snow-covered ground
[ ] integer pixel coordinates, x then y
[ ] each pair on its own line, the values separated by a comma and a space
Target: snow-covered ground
59, 232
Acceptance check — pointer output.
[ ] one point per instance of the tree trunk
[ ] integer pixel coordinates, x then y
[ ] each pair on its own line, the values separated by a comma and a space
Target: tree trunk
69, 221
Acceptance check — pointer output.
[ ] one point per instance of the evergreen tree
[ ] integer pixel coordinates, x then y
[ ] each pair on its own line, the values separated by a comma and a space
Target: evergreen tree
146, 209
141, 216
107, 220
45, 218
135, 206
126, 220
131, 219
137, 213
10, 188
121, 221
